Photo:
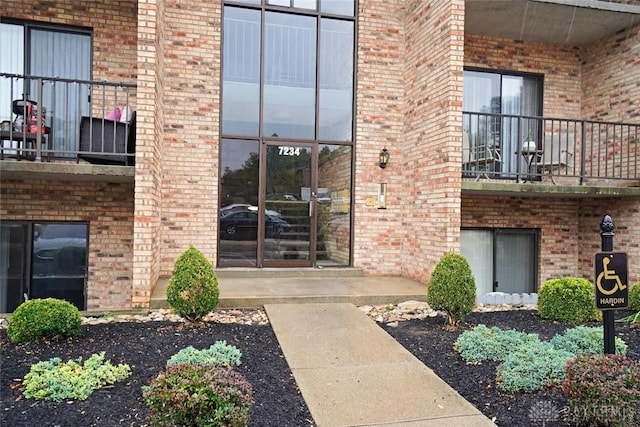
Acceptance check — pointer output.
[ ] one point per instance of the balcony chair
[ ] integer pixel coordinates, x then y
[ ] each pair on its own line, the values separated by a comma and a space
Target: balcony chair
480, 157
104, 141
557, 154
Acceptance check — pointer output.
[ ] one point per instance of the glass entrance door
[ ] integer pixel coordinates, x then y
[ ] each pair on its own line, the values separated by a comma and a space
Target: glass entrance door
289, 212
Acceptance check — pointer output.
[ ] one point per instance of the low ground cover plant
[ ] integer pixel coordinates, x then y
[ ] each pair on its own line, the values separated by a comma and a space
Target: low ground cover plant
603, 390
528, 363
47, 317
220, 353
452, 288
56, 380
568, 300
193, 287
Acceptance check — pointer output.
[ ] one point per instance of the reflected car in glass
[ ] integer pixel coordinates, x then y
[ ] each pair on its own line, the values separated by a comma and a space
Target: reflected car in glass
60, 249
243, 225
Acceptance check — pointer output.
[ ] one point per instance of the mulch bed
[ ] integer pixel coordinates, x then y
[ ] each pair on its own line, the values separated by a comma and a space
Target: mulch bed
147, 346
432, 343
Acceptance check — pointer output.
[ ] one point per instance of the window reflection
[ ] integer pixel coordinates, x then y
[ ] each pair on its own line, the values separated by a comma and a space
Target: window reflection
59, 262
336, 80
239, 163
241, 72
338, 7
290, 75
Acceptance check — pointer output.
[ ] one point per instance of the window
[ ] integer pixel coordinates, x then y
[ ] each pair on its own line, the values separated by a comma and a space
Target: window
42, 260
289, 77
43, 51
500, 112
502, 260
287, 130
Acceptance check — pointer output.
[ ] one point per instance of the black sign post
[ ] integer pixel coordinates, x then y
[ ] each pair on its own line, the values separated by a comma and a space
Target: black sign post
611, 283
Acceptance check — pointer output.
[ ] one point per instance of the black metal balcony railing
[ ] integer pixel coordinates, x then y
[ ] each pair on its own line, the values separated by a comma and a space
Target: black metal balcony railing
530, 148
69, 119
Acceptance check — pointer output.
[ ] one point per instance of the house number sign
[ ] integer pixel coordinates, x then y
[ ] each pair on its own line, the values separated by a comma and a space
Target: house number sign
288, 151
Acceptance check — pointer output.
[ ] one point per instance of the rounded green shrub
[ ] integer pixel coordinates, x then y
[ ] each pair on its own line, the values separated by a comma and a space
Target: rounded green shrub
568, 300
43, 318
452, 288
193, 288
634, 297
199, 395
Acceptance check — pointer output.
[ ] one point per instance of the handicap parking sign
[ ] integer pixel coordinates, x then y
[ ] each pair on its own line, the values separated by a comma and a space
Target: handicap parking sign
611, 272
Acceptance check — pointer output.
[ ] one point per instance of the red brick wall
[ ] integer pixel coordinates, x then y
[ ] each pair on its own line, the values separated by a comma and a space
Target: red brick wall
107, 207
626, 218
149, 151
611, 91
409, 98
191, 94
430, 209
379, 124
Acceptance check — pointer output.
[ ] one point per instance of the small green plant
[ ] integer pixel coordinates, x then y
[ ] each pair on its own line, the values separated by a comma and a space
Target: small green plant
632, 318
603, 390
532, 366
528, 363
634, 297
452, 288
43, 318
57, 381
199, 395
481, 343
585, 340
634, 304
568, 300
220, 353
193, 287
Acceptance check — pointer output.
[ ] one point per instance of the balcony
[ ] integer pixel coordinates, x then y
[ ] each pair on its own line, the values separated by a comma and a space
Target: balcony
561, 153
66, 127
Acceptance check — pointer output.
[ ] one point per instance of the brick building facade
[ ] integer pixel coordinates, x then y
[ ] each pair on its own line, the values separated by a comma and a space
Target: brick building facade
410, 60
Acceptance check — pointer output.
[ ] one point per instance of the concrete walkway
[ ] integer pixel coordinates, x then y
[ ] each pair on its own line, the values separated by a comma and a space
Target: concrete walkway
352, 373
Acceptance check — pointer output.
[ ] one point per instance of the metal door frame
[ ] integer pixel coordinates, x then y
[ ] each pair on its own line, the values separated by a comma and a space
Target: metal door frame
313, 221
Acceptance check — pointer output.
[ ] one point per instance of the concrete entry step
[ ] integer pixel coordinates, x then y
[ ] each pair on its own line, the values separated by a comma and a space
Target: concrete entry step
262, 273
254, 289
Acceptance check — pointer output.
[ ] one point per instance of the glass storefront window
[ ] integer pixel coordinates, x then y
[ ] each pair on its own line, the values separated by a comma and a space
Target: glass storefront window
336, 80
287, 93
241, 72
289, 76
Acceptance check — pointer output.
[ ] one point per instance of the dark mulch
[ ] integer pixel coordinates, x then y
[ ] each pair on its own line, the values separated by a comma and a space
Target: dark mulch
147, 346
432, 343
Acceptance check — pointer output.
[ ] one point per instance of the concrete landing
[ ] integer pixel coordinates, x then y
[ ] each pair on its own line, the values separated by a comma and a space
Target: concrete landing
352, 373
253, 289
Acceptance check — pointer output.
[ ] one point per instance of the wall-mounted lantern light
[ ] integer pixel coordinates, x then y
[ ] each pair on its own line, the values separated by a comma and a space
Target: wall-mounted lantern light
384, 158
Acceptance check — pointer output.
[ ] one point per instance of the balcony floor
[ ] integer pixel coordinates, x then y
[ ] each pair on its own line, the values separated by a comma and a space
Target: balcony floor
537, 189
